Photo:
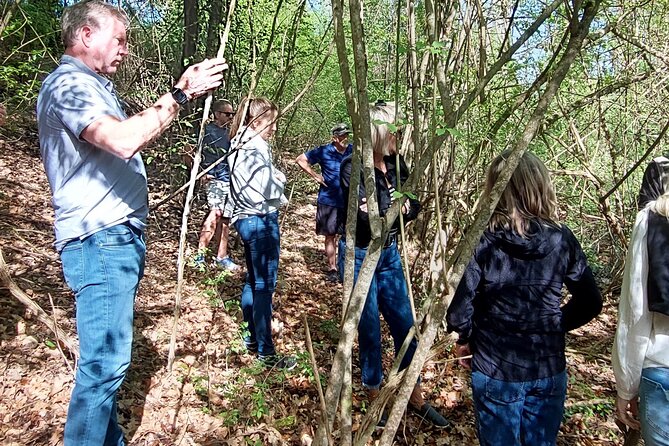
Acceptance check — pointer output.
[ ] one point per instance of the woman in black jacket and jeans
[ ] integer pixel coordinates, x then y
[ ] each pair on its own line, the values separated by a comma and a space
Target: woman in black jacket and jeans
388, 292
508, 315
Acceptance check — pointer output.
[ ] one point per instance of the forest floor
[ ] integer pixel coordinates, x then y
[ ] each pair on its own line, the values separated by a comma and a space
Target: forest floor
216, 393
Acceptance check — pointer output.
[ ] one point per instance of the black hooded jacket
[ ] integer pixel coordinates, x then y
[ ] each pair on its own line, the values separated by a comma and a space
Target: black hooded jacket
507, 306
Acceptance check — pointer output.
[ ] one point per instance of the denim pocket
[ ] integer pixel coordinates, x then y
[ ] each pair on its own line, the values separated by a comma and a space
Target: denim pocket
72, 258
502, 391
119, 235
655, 407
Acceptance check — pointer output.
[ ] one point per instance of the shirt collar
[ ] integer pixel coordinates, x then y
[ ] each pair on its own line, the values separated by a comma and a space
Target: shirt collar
105, 82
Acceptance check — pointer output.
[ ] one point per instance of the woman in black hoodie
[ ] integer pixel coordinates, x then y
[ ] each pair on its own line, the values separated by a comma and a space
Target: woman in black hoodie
508, 315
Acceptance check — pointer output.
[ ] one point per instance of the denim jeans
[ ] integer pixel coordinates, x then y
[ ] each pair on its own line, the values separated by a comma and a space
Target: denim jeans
104, 271
387, 293
654, 406
518, 413
260, 235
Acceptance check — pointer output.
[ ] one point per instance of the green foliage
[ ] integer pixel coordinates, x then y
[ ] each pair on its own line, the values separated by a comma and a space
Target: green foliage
260, 407
286, 423
30, 48
230, 417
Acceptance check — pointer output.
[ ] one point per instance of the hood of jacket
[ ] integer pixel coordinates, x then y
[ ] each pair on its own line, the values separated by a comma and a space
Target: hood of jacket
541, 239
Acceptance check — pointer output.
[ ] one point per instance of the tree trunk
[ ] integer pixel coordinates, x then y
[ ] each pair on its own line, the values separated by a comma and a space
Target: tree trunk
191, 32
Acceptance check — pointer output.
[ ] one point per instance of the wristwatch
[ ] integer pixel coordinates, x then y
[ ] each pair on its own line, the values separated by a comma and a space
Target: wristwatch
179, 96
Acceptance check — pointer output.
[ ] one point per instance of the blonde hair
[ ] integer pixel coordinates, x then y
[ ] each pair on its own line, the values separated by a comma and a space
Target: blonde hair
87, 13
257, 107
384, 114
661, 205
529, 195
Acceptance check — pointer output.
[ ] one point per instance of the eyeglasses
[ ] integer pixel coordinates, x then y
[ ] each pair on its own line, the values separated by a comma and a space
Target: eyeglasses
226, 113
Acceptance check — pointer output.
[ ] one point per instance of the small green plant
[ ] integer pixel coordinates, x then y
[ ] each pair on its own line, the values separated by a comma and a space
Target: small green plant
330, 327
285, 422
259, 408
230, 417
201, 385
231, 306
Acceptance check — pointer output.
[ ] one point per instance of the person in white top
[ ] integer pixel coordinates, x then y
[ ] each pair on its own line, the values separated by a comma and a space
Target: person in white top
641, 347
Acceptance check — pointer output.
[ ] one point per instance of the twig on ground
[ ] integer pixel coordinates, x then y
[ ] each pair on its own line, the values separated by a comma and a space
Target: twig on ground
55, 323
41, 315
317, 378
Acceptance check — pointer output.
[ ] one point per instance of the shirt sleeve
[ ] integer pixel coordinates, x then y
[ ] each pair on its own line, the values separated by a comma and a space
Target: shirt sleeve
81, 100
586, 300
461, 310
315, 156
634, 319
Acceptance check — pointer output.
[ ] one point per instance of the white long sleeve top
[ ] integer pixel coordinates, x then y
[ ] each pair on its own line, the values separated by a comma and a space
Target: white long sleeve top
256, 184
642, 336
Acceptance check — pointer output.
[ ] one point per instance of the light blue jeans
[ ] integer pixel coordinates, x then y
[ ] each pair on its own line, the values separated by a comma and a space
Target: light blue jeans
104, 271
525, 413
654, 406
262, 246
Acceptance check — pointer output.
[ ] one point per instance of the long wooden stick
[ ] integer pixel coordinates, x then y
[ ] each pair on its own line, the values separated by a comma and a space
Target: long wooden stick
189, 199
317, 378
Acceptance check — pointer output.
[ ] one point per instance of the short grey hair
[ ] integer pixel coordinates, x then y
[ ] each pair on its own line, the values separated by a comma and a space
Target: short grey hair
87, 13
385, 115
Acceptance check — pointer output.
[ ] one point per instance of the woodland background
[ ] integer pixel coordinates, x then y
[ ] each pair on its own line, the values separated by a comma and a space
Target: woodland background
474, 78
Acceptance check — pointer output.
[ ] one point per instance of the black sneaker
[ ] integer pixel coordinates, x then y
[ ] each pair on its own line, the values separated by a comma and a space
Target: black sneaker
278, 362
251, 347
333, 276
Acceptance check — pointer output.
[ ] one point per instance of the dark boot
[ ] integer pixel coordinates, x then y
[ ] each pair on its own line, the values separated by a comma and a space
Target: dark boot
425, 410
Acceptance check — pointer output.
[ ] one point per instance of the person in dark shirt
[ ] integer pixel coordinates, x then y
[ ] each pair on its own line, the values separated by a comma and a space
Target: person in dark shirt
388, 291
216, 145
508, 315
330, 200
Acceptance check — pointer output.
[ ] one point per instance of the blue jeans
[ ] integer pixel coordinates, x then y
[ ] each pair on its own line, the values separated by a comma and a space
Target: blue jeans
261, 249
654, 406
104, 271
518, 413
387, 293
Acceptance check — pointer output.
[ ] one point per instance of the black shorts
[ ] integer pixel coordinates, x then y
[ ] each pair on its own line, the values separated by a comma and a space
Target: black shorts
326, 220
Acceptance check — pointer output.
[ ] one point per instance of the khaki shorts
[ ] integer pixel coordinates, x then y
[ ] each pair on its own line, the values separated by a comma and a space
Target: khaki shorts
218, 197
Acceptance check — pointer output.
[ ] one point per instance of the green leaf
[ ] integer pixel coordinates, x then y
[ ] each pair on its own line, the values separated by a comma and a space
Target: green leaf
50, 344
455, 133
399, 194
391, 127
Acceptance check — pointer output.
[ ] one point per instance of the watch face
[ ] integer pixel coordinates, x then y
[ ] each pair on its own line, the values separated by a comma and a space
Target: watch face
179, 96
